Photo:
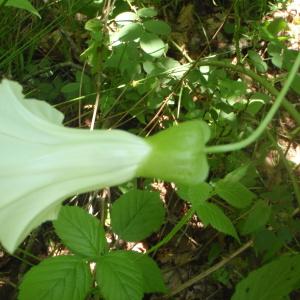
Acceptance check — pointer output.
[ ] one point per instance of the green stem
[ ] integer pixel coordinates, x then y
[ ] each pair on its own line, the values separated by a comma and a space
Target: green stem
237, 31
262, 126
174, 230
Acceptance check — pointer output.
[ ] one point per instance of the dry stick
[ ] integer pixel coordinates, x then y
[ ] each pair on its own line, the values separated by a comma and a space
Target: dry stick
209, 271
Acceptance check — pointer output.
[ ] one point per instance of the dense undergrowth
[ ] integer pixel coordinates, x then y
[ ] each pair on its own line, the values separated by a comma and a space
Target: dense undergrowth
145, 66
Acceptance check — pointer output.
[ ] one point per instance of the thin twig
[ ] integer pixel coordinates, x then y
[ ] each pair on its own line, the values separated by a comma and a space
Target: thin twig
209, 271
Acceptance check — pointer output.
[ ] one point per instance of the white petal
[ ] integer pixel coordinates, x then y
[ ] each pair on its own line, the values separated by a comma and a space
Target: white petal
42, 163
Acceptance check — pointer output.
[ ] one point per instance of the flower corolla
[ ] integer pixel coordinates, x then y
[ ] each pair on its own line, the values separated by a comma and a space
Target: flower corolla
42, 162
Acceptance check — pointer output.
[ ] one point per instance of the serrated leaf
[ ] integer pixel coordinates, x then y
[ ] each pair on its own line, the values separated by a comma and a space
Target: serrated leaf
81, 232
152, 44
119, 277
257, 218
61, 277
158, 27
272, 281
22, 4
147, 12
210, 214
234, 193
136, 214
196, 194
152, 278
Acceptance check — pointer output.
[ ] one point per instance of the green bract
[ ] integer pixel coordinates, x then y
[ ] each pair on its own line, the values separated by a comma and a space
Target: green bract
42, 163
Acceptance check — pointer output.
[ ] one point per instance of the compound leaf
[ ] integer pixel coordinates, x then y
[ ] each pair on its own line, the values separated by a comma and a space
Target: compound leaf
234, 193
119, 277
81, 232
211, 214
137, 214
60, 277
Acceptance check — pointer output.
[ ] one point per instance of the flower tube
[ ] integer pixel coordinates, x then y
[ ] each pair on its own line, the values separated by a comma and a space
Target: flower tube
42, 162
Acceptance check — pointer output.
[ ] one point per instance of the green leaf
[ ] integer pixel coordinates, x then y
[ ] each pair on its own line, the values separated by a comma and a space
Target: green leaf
196, 194
272, 281
128, 33
257, 61
210, 214
126, 18
119, 277
237, 174
93, 25
152, 44
147, 12
81, 232
276, 26
256, 102
234, 193
289, 57
257, 218
158, 27
23, 4
152, 278
71, 88
136, 214
61, 277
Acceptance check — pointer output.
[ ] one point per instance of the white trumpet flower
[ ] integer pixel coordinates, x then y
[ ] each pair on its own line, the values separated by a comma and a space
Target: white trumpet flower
42, 162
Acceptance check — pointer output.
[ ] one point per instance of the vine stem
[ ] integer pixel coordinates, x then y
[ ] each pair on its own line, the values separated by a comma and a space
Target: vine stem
209, 271
268, 118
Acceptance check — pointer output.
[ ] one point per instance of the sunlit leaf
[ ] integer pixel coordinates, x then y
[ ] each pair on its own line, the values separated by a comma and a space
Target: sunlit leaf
147, 12
22, 4
158, 27
152, 44
126, 18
